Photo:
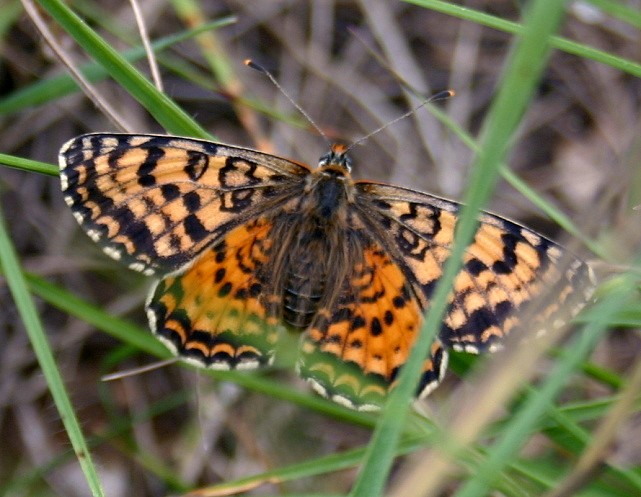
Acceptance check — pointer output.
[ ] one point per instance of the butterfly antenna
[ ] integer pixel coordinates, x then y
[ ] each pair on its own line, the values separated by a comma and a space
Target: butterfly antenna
401, 81
253, 65
441, 95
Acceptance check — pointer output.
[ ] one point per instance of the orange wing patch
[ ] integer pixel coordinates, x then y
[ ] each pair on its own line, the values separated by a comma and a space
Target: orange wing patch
353, 353
212, 313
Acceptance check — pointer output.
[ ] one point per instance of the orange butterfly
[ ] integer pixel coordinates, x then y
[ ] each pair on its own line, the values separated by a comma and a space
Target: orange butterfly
250, 246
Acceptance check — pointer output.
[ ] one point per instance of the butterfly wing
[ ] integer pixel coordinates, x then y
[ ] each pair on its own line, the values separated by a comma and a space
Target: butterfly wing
215, 313
353, 350
156, 202
505, 268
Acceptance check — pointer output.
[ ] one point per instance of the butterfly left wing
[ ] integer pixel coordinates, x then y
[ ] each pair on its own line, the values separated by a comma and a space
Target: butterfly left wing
155, 202
505, 268
215, 313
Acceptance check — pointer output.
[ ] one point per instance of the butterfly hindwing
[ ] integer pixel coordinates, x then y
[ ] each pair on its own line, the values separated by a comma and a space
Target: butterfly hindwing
155, 202
215, 313
353, 352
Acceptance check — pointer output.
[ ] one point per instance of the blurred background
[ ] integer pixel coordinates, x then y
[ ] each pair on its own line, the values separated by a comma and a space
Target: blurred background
343, 61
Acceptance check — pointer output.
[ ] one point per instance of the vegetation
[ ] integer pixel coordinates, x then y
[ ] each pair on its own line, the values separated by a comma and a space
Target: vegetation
559, 123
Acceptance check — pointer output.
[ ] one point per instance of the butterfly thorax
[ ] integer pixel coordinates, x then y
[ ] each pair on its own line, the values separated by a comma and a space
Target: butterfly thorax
329, 188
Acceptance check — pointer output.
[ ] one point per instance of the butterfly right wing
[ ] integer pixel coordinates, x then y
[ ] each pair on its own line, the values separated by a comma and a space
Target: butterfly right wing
155, 202
506, 267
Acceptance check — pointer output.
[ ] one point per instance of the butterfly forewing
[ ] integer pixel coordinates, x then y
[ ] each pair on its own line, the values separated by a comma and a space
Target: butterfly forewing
505, 268
155, 202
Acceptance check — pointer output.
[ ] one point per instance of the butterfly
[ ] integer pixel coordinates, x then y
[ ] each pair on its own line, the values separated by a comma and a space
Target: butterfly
250, 247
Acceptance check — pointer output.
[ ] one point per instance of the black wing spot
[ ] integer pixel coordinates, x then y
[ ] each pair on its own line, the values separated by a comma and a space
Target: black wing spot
194, 228
220, 275
375, 327
388, 318
191, 201
197, 165
224, 290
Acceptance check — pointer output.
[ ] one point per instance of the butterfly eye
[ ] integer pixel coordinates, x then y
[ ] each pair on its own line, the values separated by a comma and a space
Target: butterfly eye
325, 159
346, 162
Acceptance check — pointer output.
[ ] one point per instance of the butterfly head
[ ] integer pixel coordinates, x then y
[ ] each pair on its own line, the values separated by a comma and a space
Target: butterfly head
336, 158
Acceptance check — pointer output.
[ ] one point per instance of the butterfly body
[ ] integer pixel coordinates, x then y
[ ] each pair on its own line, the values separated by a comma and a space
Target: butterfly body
248, 245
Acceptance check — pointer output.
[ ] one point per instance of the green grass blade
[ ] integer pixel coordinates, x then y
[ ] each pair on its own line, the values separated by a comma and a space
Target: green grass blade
50, 89
559, 42
33, 166
29, 315
522, 75
165, 111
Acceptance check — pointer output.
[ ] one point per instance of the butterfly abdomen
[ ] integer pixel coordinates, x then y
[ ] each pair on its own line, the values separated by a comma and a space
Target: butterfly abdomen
314, 236
304, 273
311, 262
301, 299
